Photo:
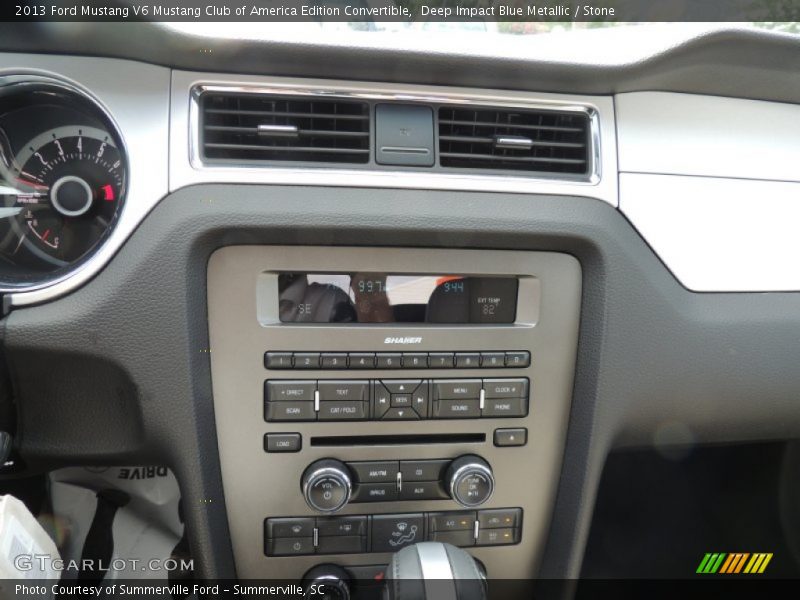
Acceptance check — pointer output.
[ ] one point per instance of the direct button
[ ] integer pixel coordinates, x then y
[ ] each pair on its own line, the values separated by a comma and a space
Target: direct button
290, 390
375, 471
343, 390
456, 389
505, 388
282, 442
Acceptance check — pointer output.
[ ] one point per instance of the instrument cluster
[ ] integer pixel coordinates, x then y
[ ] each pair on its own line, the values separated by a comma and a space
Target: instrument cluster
63, 178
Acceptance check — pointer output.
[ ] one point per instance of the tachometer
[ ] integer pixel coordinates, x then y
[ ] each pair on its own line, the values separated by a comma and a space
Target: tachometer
69, 182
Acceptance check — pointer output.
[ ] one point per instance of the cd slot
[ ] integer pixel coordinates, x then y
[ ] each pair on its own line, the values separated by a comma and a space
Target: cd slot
397, 440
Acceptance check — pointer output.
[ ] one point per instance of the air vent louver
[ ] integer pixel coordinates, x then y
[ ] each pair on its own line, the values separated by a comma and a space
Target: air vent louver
263, 128
539, 141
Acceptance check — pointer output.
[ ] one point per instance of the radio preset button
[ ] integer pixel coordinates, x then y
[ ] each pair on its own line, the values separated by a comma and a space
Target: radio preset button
278, 360
441, 360
290, 390
334, 360
291, 411
415, 360
283, 442
505, 407
342, 411
375, 471
518, 359
490, 360
388, 360
457, 389
343, 390
505, 388
468, 360
456, 409
362, 360
306, 360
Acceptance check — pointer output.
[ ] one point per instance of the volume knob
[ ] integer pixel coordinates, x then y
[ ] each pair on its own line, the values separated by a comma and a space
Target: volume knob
326, 485
470, 480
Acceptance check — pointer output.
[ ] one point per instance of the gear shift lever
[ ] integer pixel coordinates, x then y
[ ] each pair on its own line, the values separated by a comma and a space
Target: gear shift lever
434, 571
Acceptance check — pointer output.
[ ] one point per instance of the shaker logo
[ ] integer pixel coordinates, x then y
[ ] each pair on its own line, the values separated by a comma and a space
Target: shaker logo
403, 340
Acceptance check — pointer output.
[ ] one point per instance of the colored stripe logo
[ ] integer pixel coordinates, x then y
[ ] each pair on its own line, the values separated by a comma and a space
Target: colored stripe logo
734, 563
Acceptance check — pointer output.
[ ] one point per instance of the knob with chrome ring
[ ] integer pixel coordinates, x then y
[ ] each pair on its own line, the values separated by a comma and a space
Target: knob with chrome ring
326, 485
469, 480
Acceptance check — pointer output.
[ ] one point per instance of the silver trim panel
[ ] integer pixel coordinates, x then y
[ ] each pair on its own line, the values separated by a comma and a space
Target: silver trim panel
187, 167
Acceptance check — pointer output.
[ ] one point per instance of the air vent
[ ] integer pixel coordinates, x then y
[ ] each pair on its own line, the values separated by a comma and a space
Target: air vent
539, 141
256, 127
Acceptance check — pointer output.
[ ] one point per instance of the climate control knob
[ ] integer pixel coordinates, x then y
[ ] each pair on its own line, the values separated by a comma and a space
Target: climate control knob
326, 485
470, 480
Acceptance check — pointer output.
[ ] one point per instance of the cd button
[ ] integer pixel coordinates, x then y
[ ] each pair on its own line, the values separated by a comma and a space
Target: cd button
422, 470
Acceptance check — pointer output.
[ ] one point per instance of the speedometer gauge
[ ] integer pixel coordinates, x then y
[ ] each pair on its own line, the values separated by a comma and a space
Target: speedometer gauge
71, 180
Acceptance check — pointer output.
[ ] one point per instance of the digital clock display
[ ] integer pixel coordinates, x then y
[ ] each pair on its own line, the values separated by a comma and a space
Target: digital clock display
390, 298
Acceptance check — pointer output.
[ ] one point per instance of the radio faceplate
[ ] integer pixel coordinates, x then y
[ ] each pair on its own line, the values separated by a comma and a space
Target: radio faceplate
244, 325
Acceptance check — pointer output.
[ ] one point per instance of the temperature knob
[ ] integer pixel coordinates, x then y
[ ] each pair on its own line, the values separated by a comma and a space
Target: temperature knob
326, 485
470, 481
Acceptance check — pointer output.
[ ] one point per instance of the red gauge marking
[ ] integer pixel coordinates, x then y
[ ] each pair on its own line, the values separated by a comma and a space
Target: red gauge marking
108, 193
44, 235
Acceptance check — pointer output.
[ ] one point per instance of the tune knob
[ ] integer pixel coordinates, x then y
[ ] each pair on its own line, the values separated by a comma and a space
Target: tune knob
326, 485
470, 480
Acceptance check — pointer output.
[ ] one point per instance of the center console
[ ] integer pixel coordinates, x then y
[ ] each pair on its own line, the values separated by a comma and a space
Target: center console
370, 398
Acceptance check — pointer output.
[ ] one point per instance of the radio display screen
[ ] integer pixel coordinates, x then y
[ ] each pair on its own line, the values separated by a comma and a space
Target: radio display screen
389, 298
